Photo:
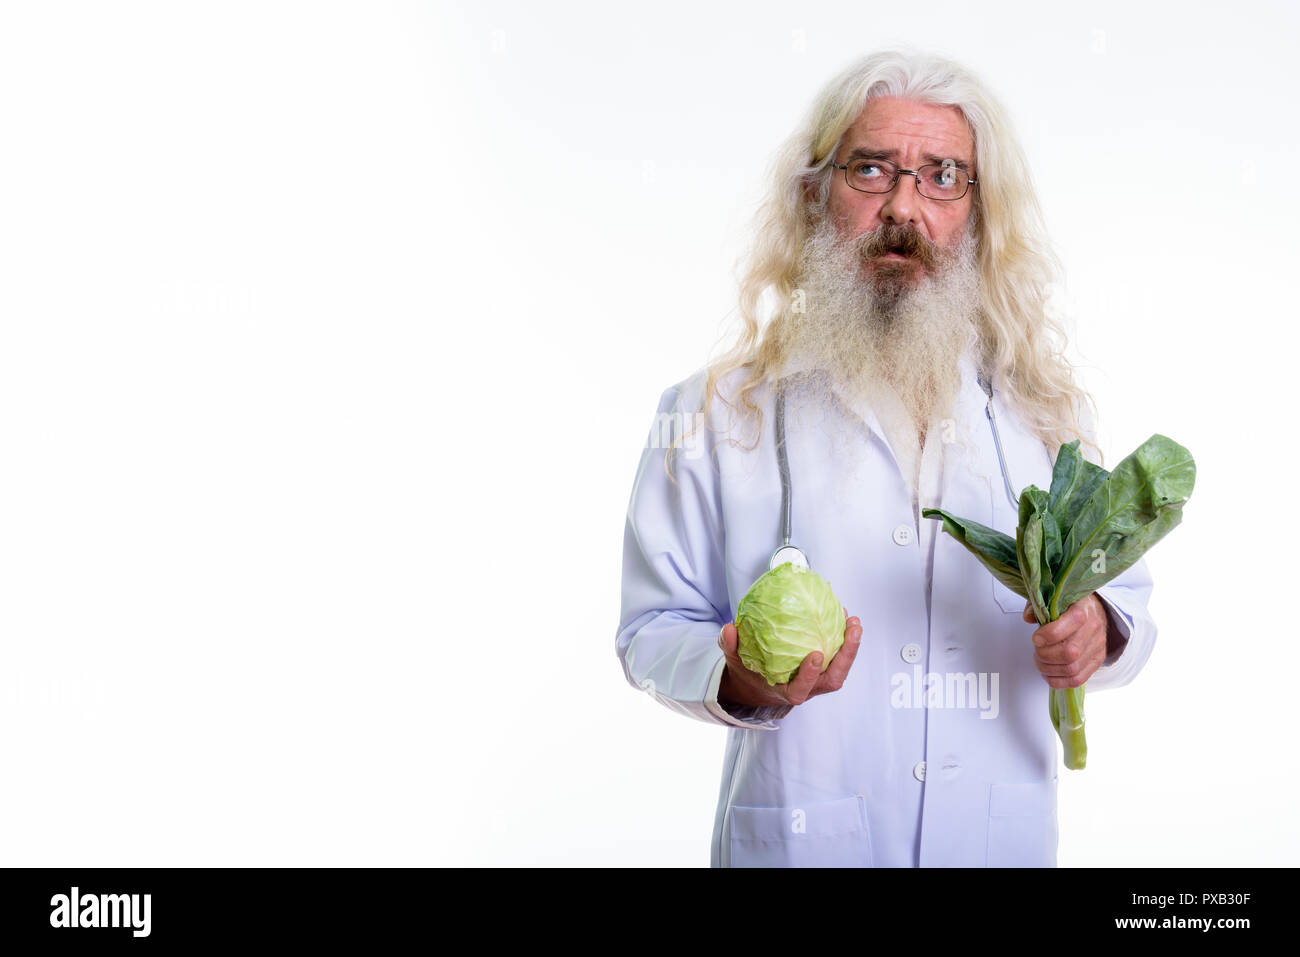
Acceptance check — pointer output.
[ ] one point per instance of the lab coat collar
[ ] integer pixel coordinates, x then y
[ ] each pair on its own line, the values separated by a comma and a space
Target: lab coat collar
970, 401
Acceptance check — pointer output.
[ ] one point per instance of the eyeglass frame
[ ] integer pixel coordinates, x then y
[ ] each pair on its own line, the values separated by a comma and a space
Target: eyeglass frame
916, 179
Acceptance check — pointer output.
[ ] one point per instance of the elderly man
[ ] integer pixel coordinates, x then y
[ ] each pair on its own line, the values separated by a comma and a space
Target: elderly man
896, 306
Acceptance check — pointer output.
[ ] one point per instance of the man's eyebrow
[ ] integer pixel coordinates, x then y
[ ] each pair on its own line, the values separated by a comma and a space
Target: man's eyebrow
863, 153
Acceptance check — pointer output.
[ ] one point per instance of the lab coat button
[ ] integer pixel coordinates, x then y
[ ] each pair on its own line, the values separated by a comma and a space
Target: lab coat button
911, 652
903, 535
918, 772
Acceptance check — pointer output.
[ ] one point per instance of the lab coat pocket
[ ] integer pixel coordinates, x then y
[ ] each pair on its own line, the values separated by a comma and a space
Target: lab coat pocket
1023, 828
830, 834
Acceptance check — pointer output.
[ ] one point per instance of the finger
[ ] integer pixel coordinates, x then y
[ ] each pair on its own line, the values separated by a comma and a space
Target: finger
1054, 632
1075, 618
1076, 663
728, 640
1064, 652
1028, 614
1056, 670
1071, 674
1073, 681
800, 688
833, 677
1061, 684
1083, 642
1094, 664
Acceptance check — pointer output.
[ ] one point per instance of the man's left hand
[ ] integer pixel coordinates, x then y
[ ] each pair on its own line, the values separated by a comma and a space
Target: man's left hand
1067, 651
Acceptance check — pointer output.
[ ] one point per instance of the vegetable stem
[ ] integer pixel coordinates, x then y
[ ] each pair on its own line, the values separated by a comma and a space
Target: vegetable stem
1066, 708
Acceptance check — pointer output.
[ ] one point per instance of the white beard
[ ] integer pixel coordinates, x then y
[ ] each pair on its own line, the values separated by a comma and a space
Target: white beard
865, 331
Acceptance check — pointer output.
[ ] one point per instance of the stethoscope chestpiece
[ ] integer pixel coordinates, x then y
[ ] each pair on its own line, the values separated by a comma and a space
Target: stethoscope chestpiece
788, 553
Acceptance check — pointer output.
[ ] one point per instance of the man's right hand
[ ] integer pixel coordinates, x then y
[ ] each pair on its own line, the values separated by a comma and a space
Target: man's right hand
740, 686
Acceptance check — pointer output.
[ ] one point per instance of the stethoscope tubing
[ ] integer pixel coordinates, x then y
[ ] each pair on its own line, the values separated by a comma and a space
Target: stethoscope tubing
783, 462
987, 386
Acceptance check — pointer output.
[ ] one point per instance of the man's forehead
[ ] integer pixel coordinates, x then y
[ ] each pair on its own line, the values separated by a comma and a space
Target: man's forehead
888, 122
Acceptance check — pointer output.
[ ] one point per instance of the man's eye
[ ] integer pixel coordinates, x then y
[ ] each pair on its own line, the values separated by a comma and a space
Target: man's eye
867, 170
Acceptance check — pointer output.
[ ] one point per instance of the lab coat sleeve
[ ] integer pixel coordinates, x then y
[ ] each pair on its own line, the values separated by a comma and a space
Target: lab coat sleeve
674, 588
1126, 597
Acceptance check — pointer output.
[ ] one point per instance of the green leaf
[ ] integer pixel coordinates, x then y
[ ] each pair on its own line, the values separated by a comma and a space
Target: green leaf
1029, 549
1138, 504
1052, 546
1064, 471
996, 551
1074, 479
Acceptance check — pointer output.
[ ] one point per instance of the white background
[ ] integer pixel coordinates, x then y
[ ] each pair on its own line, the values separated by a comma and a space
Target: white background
331, 336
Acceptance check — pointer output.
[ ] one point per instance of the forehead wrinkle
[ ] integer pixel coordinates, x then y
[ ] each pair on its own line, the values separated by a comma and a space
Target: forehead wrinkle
946, 132
939, 144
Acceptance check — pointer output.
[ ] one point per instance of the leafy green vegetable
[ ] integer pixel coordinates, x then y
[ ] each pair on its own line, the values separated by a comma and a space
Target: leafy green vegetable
786, 615
1090, 527
1074, 479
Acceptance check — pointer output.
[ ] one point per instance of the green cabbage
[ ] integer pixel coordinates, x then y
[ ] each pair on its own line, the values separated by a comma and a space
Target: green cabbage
785, 616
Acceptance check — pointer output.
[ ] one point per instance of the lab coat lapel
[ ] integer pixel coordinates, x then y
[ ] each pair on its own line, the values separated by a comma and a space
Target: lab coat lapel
967, 414
866, 415
967, 446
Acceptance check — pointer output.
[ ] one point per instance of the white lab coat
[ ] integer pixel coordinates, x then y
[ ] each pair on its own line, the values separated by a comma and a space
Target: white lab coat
897, 768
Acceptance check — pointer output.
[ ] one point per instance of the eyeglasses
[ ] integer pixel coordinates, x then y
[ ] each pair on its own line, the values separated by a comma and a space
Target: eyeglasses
945, 182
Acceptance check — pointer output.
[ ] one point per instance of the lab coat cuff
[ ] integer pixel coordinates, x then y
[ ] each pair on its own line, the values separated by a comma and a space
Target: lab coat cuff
1121, 623
762, 719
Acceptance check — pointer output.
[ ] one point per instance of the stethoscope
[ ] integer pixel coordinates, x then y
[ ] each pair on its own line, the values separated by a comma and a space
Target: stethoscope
787, 552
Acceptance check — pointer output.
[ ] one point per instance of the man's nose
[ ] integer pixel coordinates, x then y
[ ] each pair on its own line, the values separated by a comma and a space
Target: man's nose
900, 204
